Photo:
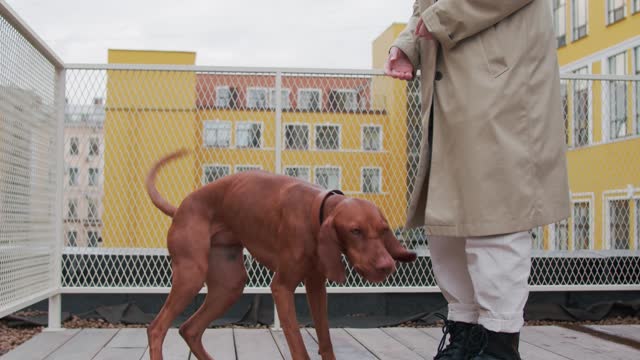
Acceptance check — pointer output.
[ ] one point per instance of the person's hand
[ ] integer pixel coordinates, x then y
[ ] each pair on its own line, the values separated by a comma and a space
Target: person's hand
421, 30
398, 65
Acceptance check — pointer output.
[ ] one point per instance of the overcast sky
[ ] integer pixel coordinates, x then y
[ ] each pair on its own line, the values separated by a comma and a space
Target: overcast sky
280, 33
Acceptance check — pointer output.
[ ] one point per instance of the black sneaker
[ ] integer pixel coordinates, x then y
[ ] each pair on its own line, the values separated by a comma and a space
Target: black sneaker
484, 344
458, 333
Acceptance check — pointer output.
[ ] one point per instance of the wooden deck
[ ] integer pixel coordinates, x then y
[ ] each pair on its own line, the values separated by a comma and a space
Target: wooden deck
538, 343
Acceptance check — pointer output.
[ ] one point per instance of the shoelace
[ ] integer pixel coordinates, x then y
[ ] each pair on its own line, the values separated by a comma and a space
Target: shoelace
449, 328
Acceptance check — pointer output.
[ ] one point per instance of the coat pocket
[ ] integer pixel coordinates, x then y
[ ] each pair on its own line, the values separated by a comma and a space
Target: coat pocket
493, 51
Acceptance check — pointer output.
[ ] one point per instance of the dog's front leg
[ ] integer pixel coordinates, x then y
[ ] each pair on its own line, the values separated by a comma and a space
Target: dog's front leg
282, 290
317, 298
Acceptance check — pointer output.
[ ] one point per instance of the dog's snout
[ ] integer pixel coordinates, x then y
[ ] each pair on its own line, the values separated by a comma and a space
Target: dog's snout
385, 264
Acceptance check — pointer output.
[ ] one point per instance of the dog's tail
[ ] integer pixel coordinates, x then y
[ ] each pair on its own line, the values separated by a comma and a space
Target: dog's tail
157, 199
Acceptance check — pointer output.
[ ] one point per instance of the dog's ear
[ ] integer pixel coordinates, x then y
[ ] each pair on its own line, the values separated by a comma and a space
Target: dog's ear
329, 254
396, 250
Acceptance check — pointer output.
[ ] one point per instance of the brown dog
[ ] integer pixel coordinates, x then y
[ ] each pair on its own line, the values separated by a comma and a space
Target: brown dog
294, 228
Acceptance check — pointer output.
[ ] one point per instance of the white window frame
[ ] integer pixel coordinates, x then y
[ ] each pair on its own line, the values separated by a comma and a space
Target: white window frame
221, 123
267, 96
307, 168
380, 137
316, 90
205, 166
72, 140
309, 136
315, 174
223, 87
272, 101
73, 180
315, 134
636, 89
591, 235
606, 110
573, 19
635, 5
552, 236
76, 212
261, 139
247, 167
96, 177
607, 21
538, 232
347, 91
93, 139
97, 234
96, 203
629, 194
556, 28
589, 109
362, 170
75, 238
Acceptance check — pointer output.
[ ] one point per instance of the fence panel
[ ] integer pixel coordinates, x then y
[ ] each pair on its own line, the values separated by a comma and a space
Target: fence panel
29, 248
358, 131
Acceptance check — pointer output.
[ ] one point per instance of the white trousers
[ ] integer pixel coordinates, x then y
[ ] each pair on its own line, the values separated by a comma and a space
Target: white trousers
484, 279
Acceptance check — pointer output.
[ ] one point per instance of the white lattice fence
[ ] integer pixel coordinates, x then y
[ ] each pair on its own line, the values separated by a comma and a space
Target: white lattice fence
29, 136
353, 130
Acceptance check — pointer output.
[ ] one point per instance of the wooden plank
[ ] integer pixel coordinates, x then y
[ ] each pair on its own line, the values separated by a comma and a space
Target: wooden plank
434, 332
113, 353
414, 339
41, 345
382, 345
576, 345
129, 338
219, 344
631, 332
173, 348
84, 346
309, 342
255, 344
345, 347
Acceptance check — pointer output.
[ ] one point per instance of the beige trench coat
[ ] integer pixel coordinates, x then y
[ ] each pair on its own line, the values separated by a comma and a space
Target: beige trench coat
498, 159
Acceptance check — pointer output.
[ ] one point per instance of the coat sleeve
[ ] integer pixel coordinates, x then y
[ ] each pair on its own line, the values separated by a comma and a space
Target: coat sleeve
451, 21
407, 41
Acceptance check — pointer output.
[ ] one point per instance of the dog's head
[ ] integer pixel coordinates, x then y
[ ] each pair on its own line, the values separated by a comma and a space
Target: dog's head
358, 229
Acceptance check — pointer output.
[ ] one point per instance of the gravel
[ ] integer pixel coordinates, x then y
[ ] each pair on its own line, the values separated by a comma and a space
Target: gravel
12, 337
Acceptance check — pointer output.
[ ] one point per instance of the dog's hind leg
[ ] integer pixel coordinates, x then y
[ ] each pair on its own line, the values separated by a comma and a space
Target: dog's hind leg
226, 279
189, 265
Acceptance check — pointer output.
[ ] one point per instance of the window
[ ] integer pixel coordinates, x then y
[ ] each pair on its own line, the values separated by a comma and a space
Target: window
615, 10
343, 100
243, 168
327, 137
217, 133
296, 137
72, 209
284, 102
565, 108
617, 97
372, 138
214, 172
637, 223
328, 177
371, 181
298, 172
561, 235
581, 109
93, 238
249, 135
94, 176
226, 97
581, 226
74, 172
310, 99
636, 6
580, 18
559, 21
537, 241
619, 214
94, 147
257, 98
92, 209
72, 238
74, 146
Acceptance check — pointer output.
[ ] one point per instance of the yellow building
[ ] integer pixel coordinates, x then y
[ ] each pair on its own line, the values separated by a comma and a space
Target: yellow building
335, 132
602, 119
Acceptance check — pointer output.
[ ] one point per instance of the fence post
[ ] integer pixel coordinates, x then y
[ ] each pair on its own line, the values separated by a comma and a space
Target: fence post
278, 169
55, 301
